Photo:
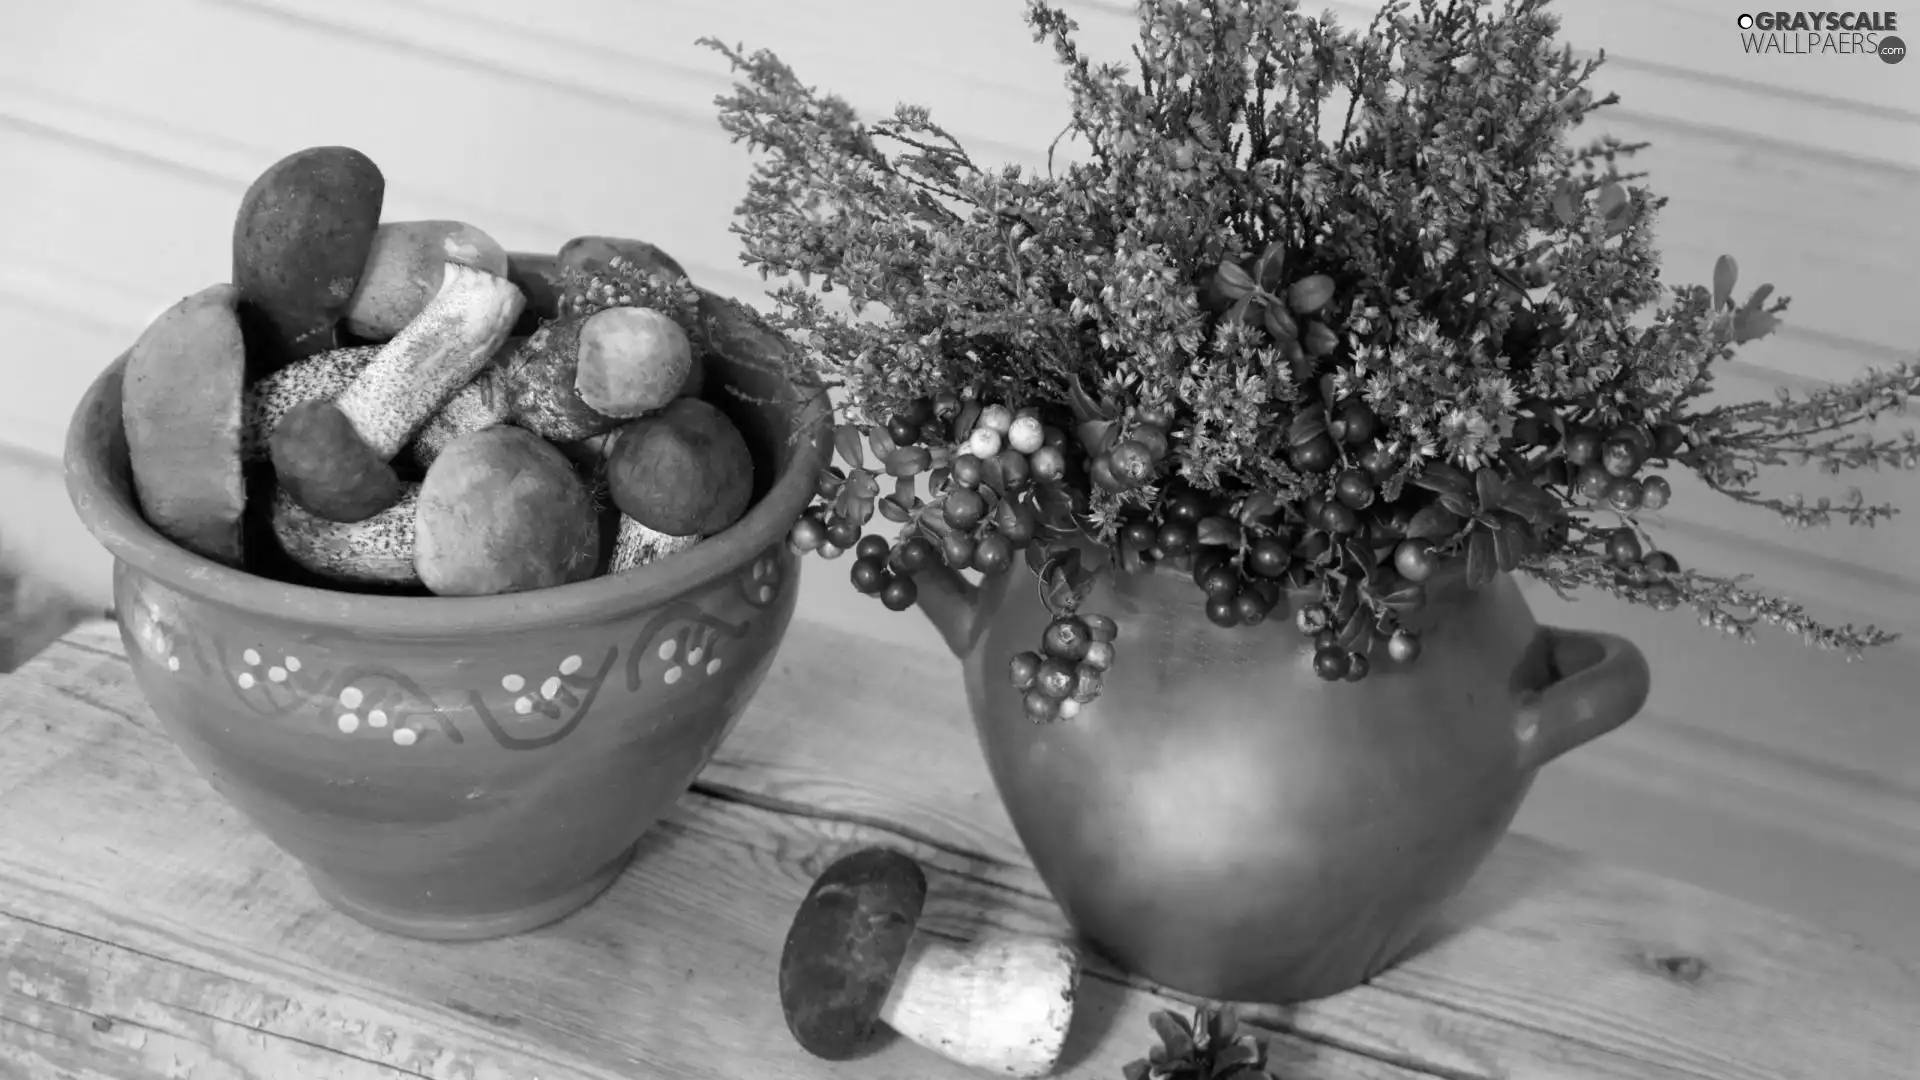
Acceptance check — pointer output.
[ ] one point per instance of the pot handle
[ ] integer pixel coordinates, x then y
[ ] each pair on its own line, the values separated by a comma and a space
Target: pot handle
1600, 681
952, 604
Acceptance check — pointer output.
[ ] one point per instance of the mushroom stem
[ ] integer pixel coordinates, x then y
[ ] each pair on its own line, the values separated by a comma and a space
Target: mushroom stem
1001, 1003
374, 551
479, 405
320, 377
634, 544
438, 352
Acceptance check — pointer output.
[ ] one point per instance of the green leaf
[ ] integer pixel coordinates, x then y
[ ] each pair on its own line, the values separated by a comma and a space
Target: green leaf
1280, 324
964, 420
1564, 207
1233, 282
1241, 311
1055, 506
880, 442
1489, 489
861, 509
891, 509
1218, 530
1509, 547
1083, 406
1440, 477
1174, 1031
1098, 436
846, 443
1432, 523
1726, 273
1751, 325
907, 462
1612, 198
1135, 1070
1457, 503
1408, 596
862, 484
1359, 625
937, 479
1481, 561
1307, 424
1223, 1023
1037, 556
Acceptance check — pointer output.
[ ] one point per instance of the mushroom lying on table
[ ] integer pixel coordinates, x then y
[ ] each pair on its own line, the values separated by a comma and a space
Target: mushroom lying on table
853, 961
499, 511
334, 457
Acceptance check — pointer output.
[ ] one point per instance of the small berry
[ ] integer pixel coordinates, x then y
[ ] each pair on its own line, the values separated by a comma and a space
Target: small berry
1026, 434
1067, 637
1623, 546
1379, 461
1582, 446
829, 483
1070, 708
946, 405
992, 554
1663, 595
808, 533
1153, 437
1404, 646
1414, 560
830, 550
1355, 488
1339, 519
1186, 505
1655, 492
1131, 462
1620, 458
1047, 464
1316, 455
1175, 538
1056, 677
902, 430
1357, 666
1222, 612
1160, 416
1668, 440
1101, 627
1624, 495
1016, 521
1253, 606
996, 418
900, 593
957, 549
1268, 557
1087, 683
1099, 656
933, 433
918, 554
869, 576
1023, 669
1104, 477
1140, 533
963, 509
1331, 663
871, 547
1592, 483
1040, 708
1015, 471
843, 533
983, 443
1219, 582
1314, 618
1661, 562
1326, 639
1359, 421
966, 470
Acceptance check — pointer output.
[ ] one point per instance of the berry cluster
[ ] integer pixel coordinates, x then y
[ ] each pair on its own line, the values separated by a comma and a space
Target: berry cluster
1075, 653
1603, 471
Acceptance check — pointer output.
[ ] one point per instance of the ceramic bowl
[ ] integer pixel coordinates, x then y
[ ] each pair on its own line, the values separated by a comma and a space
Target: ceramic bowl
459, 767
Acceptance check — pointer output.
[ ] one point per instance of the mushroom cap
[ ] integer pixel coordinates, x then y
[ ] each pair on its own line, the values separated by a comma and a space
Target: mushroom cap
323, 464
181, 407
683, 471
845, 947
583, 374
501, 510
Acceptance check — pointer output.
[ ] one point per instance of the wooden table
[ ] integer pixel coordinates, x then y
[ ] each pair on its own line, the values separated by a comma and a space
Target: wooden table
147, 931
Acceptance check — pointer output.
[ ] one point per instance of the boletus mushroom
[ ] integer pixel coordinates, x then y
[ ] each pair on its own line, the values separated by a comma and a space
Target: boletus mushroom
683, 471
403, 272
501, 510
634, 544
853, 960
181, 407
581, 375
334, 457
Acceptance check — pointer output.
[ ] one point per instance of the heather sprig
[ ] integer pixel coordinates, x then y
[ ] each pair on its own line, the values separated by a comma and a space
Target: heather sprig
1318, 311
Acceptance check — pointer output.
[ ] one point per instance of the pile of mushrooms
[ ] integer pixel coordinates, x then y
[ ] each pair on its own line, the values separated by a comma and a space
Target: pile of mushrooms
374, 403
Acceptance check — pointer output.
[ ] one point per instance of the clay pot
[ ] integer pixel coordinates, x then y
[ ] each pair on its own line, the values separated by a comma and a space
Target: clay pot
1224, 822
458, 767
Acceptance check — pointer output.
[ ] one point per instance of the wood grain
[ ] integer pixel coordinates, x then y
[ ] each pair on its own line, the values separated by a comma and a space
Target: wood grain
146, 930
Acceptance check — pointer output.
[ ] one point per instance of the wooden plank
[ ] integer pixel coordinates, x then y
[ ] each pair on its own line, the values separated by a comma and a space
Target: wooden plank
1554, 966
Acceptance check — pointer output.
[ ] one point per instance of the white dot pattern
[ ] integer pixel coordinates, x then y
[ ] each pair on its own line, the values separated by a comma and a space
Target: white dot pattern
277, 673
252, 657
405, 736
245, 680
570, 665
551, 688
349, 723
351, 697
512, 684
523, 705
377, 718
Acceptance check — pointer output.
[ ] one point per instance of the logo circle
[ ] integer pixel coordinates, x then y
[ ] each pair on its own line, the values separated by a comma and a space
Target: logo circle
1892, 50
1745, 22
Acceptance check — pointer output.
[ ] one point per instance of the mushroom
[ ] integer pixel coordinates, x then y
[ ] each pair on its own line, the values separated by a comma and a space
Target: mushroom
633, 543
403, 272
334, 456
853, 961
180, 401
683, 471
501, 510
479, 405
581, 375
376, 551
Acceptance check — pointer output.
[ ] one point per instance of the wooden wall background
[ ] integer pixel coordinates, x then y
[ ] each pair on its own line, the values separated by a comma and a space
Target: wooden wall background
129, 129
